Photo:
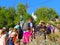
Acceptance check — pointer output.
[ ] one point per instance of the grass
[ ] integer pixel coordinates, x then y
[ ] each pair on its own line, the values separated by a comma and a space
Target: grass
54, 39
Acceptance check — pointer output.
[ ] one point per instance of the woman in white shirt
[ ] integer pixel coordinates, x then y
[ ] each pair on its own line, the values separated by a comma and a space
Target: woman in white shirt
2, 37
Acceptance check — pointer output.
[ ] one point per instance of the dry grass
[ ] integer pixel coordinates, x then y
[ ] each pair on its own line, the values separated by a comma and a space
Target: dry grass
39, 40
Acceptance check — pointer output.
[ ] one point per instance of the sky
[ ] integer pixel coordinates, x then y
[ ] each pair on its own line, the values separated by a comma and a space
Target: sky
33, 4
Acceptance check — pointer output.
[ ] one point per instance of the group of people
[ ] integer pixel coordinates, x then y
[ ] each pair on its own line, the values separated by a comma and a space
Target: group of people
25, 33
16, 34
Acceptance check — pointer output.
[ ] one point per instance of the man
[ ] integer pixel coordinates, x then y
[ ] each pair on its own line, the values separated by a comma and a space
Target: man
20, 32
28, 24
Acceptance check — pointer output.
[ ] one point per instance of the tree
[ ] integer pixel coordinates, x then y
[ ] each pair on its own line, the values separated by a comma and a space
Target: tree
45, 14
2, 16
7, 16
10, 15
21, 11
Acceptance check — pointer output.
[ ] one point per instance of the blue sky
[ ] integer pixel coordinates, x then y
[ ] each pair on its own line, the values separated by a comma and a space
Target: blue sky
33, 4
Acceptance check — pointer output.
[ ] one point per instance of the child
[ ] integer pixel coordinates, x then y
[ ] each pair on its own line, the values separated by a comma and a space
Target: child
27, 36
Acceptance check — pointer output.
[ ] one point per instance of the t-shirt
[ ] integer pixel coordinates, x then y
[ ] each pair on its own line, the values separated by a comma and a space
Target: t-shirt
27, 24
26, 36
9, 32
51, 28
2, 40
16, 27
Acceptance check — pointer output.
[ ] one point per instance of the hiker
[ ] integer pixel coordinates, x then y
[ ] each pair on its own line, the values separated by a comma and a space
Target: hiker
56, 30
51, 27
10, 31
27, 24
27, 36
19, 30
3, 38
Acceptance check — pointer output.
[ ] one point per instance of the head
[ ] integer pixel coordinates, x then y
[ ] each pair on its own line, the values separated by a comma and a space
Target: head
14, 30
30, 20
3, 31
13, 34
4, 28
10, 29
41, 22
43, 29
48, 24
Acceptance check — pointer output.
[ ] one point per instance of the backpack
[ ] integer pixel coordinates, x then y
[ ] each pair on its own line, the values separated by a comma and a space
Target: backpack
37, 28
48, 30
20, 33
25, 26
9, 41
29, 25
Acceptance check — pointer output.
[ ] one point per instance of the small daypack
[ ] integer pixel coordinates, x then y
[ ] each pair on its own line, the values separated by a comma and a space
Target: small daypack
20, 33
25, 26
48, 30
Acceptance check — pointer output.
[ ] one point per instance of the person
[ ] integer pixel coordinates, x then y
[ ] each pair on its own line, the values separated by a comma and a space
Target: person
30, 24
49, 25
15, 35
9, 41
17, 26
40, 26
20, 32
12, 37
3, 38
27, 24
27, 36
10, 31
56, 29
4, 28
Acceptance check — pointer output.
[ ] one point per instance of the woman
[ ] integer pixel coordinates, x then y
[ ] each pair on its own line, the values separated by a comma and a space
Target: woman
3, 38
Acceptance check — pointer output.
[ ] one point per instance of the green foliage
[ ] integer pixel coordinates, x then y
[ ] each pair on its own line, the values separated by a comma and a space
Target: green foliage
16, 19
21, 9
45, 14
9, 16
2, 17
26, 16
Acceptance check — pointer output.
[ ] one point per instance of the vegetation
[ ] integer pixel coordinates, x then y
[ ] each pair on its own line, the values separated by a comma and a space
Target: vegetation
45, 14
10, 16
